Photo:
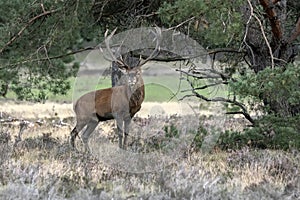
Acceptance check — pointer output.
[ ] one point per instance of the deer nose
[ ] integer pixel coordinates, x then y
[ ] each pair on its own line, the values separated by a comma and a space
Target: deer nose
132, 81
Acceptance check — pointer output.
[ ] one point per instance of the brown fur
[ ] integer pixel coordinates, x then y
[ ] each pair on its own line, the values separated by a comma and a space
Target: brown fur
120, 103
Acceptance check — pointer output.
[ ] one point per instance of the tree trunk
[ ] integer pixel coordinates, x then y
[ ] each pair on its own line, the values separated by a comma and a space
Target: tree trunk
268, 45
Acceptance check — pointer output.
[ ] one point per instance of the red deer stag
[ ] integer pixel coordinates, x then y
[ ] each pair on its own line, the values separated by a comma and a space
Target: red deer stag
120, 103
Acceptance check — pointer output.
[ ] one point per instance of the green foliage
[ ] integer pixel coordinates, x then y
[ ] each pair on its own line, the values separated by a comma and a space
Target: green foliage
272, 133
200, 134
171, 131
238, 140
276, 94
217, 23
280, 132
30, 39
279, 86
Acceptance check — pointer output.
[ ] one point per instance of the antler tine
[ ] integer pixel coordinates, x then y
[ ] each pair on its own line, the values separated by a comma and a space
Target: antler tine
122, 63
155, 52
107, 39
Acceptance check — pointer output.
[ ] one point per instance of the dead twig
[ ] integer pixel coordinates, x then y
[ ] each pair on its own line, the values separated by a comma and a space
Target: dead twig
244, 111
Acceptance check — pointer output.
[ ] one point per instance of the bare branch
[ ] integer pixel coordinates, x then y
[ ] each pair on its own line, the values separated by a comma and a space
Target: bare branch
226, 50
206, 76
206, 86
102, 8
234, 102
219, 99
209, 74
266, 40
246, 32
182, 23
48, 58
262, 32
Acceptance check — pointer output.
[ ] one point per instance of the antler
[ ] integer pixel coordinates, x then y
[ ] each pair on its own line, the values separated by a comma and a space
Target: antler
120, 61
155, 52
157, 36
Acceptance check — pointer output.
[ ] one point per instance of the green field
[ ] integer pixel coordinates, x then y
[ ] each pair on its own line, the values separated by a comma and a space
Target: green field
162, 88
155, 90
159, 89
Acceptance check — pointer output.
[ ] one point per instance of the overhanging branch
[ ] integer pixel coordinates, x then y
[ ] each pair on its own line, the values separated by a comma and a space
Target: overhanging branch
219, 99
31, 21
234, 102
50, 58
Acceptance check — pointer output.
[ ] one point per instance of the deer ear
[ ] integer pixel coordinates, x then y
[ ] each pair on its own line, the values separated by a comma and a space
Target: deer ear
123, 67
139, 70
137, 67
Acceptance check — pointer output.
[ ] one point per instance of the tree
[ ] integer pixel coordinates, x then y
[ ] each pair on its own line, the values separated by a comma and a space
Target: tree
275, 46
38, 39
252, 43
263, 34
255, 43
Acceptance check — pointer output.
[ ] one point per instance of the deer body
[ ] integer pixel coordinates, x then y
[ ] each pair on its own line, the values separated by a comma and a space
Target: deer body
120, 103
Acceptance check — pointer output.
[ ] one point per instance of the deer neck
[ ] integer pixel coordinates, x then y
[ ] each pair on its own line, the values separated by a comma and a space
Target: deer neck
136, 94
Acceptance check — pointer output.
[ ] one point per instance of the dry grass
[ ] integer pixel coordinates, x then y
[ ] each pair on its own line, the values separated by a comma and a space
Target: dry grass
42, 166
29, 110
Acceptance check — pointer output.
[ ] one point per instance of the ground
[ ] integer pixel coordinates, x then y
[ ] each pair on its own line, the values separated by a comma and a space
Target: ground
39, 164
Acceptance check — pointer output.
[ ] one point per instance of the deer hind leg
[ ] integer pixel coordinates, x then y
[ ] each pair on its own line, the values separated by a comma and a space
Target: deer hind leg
87, 132
74, 133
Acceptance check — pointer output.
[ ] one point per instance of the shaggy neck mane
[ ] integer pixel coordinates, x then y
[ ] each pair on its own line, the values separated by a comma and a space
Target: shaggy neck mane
136, 96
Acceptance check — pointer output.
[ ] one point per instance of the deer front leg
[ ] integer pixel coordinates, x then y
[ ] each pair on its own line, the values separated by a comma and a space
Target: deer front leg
126, 131
120, 125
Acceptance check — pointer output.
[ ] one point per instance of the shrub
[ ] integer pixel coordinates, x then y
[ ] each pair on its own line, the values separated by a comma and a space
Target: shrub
271, 132
275, 93
277, 90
